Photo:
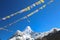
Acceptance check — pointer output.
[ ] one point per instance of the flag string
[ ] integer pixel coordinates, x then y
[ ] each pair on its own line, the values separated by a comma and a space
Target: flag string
27, 16
24, 10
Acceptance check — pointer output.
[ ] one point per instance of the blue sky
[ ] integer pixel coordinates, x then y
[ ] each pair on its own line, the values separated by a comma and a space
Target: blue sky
42, 21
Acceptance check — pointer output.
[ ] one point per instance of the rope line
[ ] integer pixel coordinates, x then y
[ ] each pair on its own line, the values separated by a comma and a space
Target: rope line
27, 16
24, 10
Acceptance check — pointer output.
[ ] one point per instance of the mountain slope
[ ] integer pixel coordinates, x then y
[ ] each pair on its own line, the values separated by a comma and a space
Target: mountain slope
28, 34
55, 35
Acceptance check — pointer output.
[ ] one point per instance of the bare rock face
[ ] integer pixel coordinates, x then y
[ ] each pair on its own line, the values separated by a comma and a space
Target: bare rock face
44, 38
52, 36
38, 39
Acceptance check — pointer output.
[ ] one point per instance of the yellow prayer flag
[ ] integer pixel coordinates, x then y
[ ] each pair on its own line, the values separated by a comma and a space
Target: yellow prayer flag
28, 8
7, 16
37, 3
42, 1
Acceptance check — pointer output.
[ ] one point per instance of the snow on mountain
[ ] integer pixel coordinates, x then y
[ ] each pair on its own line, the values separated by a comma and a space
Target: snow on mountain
25, 35
28, 34
28, 30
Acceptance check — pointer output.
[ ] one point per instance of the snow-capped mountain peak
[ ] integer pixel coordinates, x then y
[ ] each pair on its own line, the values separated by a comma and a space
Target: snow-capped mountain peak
28, 30
18, 32
28, 34
28, 27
